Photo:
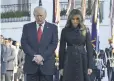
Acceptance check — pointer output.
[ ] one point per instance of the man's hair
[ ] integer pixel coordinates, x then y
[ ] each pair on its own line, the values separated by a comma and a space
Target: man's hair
9, 39
39, 7
2, 36
5, 38
14, 43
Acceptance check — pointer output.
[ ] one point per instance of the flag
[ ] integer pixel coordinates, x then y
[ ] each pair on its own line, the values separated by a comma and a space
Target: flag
56, 14
56, 20
40, 2
112, 23
113, 36
101, 12
95, 26
112, 15
53, 20
56, 11
110, 8
97, 39
84, 8
71, 5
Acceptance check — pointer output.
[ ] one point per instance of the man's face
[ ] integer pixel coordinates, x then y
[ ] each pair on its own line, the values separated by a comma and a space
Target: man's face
7, 43
40, 15
10, 42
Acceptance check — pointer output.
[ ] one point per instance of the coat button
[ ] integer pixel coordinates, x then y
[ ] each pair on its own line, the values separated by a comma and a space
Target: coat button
76, 62
76, 70
76, 77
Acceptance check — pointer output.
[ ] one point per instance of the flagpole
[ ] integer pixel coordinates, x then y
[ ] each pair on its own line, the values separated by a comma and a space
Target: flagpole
40, 2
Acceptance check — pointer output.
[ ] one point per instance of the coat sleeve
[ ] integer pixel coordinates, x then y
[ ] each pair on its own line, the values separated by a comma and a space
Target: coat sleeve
62, 50
24, 43
20, 58
3, 53
13, 54
89, 49
53, 45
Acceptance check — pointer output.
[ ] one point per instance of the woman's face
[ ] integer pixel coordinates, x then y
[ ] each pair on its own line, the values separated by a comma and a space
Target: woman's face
75, 21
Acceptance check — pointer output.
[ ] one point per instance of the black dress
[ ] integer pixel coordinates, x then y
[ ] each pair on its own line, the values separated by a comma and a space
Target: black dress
75, 54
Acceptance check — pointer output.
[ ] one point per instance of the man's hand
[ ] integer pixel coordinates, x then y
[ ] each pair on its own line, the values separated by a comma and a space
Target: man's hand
38, 59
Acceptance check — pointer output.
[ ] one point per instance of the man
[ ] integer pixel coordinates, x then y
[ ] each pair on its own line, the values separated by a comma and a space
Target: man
3, 58
15, 45
109, 54
10, 60
39, 41
21, 58
100, 65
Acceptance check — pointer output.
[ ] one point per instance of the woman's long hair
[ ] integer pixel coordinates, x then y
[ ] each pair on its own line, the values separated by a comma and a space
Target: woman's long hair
72, 14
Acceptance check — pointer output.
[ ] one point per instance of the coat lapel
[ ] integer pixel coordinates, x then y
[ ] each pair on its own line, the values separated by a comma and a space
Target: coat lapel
45, 32
34, 32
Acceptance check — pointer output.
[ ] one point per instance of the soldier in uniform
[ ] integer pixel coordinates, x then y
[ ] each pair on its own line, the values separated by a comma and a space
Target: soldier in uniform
100, 65
110, 60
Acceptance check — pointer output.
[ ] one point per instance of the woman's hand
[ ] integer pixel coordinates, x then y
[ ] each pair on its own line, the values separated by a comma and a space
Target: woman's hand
89, 71
61, 72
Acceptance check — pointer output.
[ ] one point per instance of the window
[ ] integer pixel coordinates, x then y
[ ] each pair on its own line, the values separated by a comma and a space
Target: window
64, 6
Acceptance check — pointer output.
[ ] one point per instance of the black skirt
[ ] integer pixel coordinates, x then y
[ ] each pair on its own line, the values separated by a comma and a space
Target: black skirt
75, 68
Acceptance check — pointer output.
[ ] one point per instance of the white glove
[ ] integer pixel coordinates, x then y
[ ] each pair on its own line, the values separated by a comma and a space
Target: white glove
89, 71
61, 72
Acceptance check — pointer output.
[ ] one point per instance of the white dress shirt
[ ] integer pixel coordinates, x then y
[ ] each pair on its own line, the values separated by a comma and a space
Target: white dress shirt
42, 27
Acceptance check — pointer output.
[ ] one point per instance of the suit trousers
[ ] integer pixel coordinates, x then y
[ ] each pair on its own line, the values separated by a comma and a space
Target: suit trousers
3, 77
38, 76
9, 75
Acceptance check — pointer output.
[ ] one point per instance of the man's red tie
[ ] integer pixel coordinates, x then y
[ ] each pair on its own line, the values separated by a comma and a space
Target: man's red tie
39, 33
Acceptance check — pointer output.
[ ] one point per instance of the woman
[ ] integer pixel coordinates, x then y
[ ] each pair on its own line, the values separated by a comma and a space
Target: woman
75, 40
